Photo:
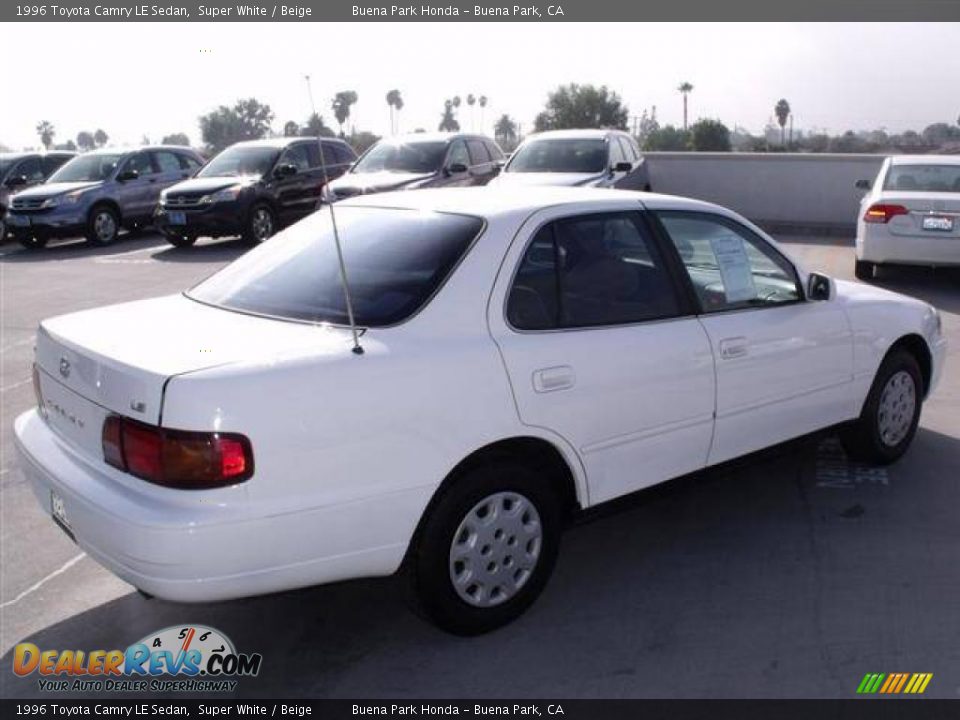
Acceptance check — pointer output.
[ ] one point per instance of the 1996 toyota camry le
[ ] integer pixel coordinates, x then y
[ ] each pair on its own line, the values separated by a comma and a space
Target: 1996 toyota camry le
525, 354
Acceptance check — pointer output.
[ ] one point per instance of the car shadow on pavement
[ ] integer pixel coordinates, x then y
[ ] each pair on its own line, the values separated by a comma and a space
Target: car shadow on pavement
12, 252
206, 250
730, 582
938, 286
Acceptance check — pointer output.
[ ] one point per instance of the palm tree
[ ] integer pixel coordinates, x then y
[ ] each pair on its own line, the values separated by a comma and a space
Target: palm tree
448, 122
782, 111
46, 131
341, 107
471, 101
482, 102
685, 89
396, 103
100, 137
505, 131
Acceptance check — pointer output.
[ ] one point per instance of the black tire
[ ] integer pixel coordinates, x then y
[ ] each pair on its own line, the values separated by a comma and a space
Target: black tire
180, 241
864, 270
255, 231
430, 565
32, 242
864, 439
103, 225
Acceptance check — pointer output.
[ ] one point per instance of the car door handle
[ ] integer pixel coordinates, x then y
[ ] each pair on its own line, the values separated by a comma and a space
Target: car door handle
731, 348
554, 378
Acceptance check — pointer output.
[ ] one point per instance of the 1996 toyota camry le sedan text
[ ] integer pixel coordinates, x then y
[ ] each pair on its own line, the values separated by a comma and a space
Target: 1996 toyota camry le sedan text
524, 354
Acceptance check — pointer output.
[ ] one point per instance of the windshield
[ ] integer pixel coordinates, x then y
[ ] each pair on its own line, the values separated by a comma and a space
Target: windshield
923, 178
238, 161
87, 168
408, 157
395, 260
5, 164
567, 155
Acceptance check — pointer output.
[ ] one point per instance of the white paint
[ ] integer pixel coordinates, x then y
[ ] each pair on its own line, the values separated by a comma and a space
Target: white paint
14, 386
43, 581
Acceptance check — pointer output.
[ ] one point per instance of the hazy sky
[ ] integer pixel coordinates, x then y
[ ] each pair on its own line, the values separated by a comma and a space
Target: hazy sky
135, 79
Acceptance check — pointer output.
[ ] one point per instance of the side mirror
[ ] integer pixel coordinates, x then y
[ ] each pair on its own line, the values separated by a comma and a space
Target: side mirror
126, 175
285, 170
819, 287
16, 181
622, 167
863, 184
456, 169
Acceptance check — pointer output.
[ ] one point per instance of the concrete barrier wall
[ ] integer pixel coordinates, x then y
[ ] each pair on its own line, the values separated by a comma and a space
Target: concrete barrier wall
779, 190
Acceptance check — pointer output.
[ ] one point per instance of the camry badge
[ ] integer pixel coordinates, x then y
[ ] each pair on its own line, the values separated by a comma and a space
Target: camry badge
64, 367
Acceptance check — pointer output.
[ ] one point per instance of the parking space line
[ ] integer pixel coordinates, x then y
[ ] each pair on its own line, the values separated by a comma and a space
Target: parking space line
40, 583
15, 385
19, 343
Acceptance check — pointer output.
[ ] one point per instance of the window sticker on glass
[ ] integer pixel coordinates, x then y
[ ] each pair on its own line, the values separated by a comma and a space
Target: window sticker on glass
734, 267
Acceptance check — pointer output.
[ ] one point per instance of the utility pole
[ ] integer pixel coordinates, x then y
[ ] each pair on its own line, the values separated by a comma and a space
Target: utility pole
313, 108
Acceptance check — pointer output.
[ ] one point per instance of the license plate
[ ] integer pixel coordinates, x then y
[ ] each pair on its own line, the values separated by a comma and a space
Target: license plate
937, 223
17, 220
177, 218
59, 512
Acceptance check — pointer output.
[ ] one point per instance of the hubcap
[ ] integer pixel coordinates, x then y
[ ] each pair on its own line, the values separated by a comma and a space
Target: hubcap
898, 403
262, 224
495, 549
105, 226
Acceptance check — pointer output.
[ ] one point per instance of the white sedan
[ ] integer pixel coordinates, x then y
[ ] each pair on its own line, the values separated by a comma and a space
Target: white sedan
911, 214
525, 354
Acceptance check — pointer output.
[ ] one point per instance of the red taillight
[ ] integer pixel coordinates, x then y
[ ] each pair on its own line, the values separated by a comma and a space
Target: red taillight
176, 458
883, 213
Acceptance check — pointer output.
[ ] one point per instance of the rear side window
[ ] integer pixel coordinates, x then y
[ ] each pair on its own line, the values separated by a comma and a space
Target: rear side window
395, 261
923, 178
478, 152
601, 269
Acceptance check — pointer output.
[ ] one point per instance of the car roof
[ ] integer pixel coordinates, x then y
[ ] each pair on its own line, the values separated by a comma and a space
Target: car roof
12, 156
576, 133
282, 141
138, 148
925, 160
498, 201
432, 137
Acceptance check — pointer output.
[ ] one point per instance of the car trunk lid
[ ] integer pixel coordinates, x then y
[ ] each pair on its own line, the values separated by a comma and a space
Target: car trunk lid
928, 214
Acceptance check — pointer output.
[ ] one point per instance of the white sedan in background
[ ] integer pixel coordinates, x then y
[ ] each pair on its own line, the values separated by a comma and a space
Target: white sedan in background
911, 214
525, 353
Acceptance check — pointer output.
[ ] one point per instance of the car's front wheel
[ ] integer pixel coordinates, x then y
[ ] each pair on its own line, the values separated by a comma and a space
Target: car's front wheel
32, 242
487, 548
890, 415
103, 225
261, 224
181, 241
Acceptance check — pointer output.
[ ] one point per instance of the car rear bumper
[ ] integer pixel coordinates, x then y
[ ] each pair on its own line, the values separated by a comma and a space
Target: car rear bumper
219, 220
199, 552
880, 246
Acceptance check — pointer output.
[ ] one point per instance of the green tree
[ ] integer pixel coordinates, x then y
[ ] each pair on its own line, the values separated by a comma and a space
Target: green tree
341, 104
46, 131
68, 145
782, 111
505, 132
291, 128
395, 101
685, 89
176, 139
248, 119
100, 137
582, 106
668, 137
363, 140
448, 121
85, 140
316, 127
710, 136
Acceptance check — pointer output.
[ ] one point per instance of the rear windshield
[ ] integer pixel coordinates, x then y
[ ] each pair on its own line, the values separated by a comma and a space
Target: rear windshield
567, 155
395, 260
87, 168
923, 178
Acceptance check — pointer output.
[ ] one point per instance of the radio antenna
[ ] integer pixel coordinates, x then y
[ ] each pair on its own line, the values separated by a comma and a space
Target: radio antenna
325, 194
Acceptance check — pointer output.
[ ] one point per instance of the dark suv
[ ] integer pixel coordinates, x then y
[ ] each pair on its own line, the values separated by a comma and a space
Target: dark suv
422, 160
18, 171
252, 189
99, 192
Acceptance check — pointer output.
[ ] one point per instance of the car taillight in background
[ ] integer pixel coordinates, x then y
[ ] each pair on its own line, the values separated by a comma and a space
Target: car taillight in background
176, 458
883, 213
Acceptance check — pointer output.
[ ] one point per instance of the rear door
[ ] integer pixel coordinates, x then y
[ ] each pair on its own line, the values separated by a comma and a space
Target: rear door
784, 365
138, 197
601, 350
170, 171
297, 194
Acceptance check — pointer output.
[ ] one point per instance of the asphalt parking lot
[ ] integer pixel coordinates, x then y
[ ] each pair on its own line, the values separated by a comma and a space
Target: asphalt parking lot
787, 574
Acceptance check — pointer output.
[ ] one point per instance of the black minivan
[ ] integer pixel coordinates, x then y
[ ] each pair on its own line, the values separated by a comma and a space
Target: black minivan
252, 189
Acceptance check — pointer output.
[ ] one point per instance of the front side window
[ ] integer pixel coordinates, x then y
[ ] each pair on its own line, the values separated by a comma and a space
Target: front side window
567, 155
591, 270
298, 156
923, 178
31, 170
93, 167
729, 266
395, 261
458, 154
141, 163
52, 162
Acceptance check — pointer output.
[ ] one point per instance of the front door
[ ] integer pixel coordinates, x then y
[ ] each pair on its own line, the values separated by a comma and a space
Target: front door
600, 349
784, 363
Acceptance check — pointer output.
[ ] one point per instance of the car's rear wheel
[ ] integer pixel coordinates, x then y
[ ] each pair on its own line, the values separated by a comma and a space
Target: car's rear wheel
181, 240
864, 270
890, 415
487, 548
32, 242
3, 228
261, 224
103, 225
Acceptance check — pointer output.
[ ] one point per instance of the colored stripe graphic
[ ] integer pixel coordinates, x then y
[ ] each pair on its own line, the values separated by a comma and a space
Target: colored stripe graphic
894, 683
